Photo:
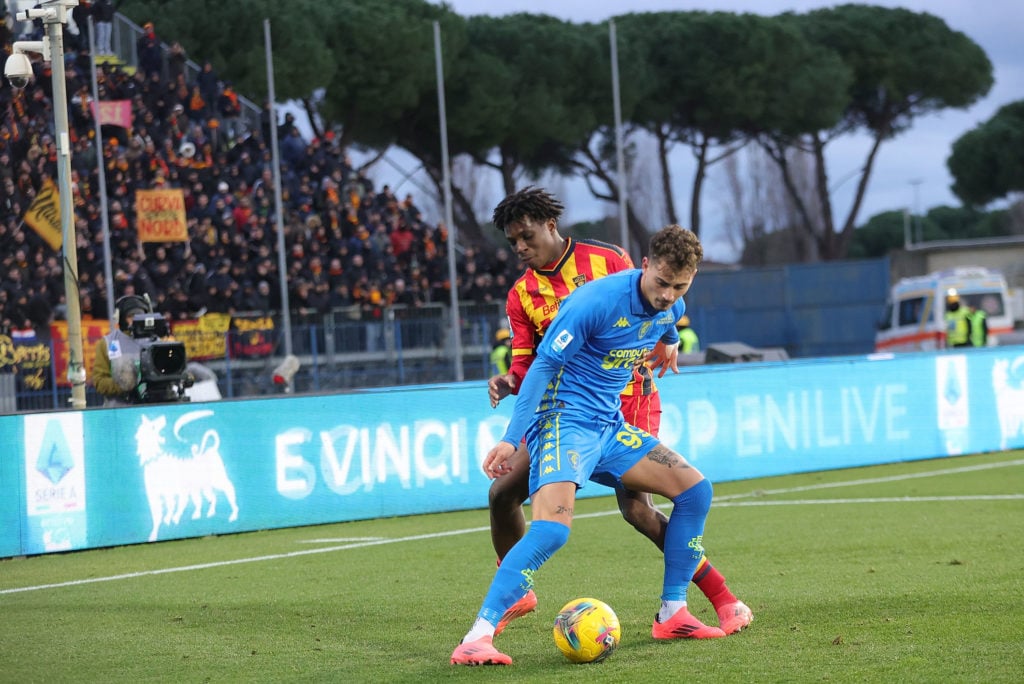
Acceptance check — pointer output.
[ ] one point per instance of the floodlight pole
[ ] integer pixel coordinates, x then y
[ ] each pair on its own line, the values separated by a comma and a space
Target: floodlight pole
282, 268
101, 175
620, 157
54, 15
446, 175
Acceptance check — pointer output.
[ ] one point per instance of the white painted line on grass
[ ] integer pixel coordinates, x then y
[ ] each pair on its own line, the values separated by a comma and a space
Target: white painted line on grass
883, 499
240, 561
338, 540
727, 500
872, 480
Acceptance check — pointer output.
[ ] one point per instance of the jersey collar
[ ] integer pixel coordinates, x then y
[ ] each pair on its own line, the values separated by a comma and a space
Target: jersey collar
554, 268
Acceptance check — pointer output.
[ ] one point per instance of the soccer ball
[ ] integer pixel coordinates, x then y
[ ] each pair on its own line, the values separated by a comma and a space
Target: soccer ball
586, 630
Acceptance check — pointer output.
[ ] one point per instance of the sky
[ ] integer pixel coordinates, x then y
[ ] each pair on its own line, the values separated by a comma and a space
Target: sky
910, 171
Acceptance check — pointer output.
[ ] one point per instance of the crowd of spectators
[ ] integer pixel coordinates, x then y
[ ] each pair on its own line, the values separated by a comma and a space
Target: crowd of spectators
347, 243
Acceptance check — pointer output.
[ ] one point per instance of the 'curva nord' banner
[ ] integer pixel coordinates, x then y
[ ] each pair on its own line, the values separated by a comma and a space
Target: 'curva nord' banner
160, 215
104, 477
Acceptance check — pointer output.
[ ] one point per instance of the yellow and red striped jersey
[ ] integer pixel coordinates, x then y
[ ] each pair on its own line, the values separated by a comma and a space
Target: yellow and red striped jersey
535, 297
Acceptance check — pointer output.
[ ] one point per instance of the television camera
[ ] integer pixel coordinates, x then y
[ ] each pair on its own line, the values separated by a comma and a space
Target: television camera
163, 374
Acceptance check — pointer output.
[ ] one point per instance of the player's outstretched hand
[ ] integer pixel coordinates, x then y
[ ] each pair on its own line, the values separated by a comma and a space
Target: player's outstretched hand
496, 463
499, 387
663, 357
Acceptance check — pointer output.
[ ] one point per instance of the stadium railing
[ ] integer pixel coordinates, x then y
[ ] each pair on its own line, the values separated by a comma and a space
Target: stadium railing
338, 351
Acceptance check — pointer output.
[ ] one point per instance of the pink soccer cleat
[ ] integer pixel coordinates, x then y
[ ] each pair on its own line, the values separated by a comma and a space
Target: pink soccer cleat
479, 652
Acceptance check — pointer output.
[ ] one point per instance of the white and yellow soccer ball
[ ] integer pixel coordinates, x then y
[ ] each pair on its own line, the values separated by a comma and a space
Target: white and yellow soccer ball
586, 630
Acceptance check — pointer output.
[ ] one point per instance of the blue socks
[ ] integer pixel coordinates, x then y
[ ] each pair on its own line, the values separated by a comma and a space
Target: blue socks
684, 548
515, 574
684, 539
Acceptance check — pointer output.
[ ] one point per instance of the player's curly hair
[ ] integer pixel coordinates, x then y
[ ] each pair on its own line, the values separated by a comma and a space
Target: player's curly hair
677, 248
529, 203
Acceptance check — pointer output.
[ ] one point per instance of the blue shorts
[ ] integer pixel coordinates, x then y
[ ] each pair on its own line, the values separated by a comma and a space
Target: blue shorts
569, 448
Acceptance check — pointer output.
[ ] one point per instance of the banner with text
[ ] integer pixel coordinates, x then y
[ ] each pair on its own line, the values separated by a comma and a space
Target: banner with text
43, 215
25, 355
160, 215
113, 112
107, 477
252, 336
203, 337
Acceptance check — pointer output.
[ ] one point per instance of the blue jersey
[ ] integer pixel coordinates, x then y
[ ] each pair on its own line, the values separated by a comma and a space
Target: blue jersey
586, 358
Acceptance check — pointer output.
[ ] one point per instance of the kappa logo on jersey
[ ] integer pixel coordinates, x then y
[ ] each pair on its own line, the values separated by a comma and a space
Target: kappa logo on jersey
562, 341
547, 467
621, 323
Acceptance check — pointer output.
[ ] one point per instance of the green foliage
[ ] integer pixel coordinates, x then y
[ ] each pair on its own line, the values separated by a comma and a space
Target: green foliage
905, 572
881, 234
522, 87
884, 232
987, 162
717, 75
962, 223
386, 71
805, 83
905, 64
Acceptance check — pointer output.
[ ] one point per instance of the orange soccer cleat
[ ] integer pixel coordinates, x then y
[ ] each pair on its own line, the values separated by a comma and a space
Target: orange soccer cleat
683, 625
525, 605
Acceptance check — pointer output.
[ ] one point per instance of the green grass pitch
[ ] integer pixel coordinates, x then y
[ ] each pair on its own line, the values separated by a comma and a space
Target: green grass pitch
910, 572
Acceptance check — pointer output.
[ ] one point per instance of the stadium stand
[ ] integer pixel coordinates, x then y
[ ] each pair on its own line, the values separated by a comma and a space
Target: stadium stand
349, 245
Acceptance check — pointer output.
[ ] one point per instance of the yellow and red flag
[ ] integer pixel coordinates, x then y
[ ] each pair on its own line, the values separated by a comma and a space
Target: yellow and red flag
43, 215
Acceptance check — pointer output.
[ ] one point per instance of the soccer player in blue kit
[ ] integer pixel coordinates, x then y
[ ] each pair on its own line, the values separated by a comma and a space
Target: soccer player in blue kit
568, 410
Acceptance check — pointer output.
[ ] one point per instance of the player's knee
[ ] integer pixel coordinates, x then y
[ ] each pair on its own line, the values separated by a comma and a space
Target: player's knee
549, 535
636, 512
645, 518
507, 494
696, 499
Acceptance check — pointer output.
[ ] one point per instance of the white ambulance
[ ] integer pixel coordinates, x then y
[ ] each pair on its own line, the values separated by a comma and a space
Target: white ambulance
914, 317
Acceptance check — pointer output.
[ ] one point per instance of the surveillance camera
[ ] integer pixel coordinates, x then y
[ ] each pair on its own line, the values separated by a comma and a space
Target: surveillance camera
18, 70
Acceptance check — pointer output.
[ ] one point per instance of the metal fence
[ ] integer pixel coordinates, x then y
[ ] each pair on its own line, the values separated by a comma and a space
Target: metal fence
338, 351
808, 309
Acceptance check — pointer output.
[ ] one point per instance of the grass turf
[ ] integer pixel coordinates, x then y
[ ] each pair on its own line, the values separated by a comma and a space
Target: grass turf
893, 576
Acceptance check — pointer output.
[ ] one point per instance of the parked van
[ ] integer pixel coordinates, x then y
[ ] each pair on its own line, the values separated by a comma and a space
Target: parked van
915, 311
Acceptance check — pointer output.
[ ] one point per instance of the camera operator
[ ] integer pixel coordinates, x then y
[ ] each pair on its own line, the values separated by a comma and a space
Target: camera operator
115, 369
123, 369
